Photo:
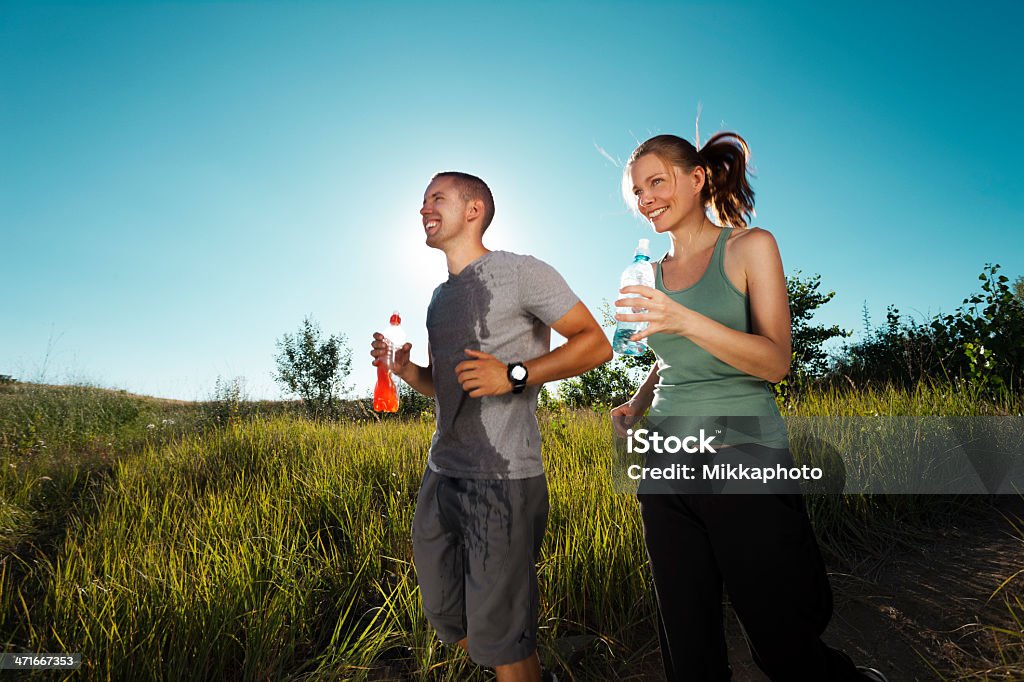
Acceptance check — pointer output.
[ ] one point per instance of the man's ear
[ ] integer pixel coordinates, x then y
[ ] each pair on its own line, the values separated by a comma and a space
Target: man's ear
474, 209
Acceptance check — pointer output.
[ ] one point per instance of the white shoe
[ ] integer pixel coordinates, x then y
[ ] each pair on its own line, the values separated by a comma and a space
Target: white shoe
871, 675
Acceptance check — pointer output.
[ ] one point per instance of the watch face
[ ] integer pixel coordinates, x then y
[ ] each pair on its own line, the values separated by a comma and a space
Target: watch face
518, 372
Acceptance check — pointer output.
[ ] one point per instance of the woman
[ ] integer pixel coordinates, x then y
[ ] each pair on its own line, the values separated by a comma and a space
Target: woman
720, 328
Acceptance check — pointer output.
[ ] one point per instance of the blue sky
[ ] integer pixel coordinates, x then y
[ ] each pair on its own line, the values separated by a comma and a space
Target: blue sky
181, 183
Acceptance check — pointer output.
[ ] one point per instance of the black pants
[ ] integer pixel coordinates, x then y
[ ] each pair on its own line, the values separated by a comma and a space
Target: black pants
762, 548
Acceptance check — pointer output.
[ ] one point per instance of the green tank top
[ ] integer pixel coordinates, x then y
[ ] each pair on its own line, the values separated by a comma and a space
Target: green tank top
692, 382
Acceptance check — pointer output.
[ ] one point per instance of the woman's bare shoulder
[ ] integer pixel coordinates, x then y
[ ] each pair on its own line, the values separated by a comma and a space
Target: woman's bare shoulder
752, 240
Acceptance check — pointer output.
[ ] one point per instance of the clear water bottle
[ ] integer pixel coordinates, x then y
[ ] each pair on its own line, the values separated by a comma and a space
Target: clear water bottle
641, 272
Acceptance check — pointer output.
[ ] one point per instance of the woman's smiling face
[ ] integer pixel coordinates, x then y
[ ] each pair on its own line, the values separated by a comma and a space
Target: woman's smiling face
664, 193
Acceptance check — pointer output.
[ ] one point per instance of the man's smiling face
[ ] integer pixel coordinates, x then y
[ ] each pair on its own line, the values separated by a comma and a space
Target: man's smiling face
443, 213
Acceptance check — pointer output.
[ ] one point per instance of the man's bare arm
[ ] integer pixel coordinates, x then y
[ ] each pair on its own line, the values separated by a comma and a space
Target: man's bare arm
585, 348
419, 378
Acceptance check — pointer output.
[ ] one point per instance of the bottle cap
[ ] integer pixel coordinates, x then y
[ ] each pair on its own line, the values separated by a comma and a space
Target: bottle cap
643, 248
395, 334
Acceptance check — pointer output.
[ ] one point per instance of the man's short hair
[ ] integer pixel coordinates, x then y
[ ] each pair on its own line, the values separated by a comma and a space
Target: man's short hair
472, 188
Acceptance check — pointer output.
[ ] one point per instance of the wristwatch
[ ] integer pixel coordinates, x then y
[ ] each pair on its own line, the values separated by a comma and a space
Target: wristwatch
517, 376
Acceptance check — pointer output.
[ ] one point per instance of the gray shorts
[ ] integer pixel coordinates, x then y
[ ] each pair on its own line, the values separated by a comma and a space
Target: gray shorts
476, 545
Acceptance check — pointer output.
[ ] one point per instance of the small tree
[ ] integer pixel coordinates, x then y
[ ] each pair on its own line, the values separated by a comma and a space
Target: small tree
901, 351
411, 402
228, 403
610, 384
987, 333
313, 370
607, 385
810, 359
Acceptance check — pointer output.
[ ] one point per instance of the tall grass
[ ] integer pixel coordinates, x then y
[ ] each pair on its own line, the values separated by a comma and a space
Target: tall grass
279, 548
925, 399
855, 527
1006, 658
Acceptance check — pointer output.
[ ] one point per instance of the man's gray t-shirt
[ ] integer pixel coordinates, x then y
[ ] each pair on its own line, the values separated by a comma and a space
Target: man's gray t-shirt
503, 304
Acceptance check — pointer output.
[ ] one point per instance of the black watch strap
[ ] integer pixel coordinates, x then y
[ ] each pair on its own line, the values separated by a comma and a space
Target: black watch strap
517, 375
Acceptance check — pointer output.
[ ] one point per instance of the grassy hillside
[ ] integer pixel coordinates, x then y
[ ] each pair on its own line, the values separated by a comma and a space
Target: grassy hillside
161, 544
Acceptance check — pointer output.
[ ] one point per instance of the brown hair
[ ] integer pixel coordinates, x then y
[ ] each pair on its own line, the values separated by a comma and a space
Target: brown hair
472, 188
724, 160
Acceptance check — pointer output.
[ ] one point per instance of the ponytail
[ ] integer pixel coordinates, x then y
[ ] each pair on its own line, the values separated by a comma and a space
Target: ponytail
727, 190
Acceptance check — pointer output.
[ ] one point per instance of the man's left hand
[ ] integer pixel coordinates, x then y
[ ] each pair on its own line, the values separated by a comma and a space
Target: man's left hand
483, 375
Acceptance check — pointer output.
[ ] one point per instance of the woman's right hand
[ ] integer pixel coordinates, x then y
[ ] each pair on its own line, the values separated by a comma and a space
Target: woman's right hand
379, 353
625, 416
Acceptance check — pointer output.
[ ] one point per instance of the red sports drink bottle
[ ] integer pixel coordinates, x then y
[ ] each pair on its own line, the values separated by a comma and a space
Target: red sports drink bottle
385, 394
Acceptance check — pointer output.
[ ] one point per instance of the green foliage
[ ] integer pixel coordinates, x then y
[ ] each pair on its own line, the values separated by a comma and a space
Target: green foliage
228, 403
981, 342
412, 403
810, 359
37, 418
901, 352
640, 363
607, 385
546, 400
990, 339
314, 371
610, 384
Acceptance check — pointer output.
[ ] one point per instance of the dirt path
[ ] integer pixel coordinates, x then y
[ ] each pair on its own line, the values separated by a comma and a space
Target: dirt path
923, 604
916, 613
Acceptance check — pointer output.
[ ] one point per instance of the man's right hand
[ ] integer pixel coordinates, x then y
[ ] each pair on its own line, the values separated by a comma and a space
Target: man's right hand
379, 353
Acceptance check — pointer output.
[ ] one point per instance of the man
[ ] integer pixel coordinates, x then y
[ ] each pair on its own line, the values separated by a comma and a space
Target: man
483, 503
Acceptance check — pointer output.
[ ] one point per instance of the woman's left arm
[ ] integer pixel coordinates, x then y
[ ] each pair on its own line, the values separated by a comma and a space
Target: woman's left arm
767, 350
